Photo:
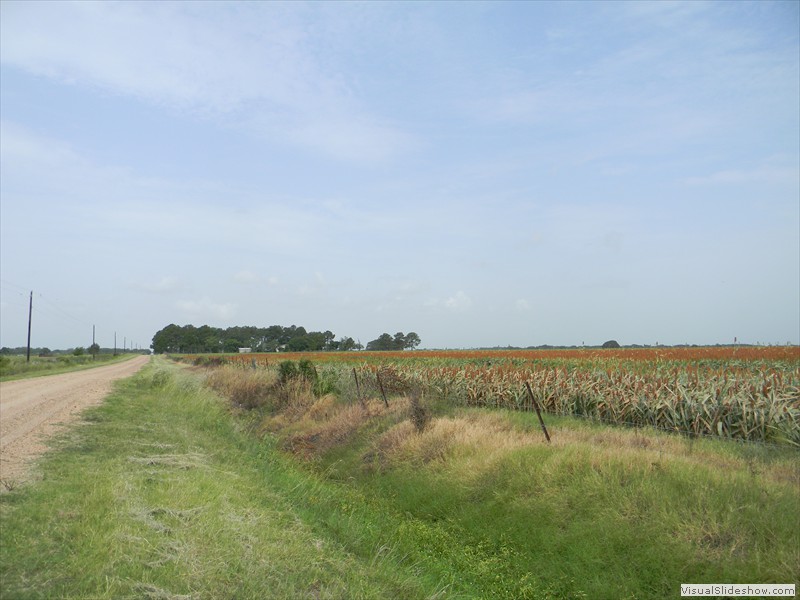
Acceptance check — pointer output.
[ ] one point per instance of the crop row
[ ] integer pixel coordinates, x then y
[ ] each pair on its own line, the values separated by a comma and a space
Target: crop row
752, 395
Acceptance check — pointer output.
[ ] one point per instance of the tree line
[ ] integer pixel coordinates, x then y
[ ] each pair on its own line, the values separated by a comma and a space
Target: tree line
400, 341
275, 338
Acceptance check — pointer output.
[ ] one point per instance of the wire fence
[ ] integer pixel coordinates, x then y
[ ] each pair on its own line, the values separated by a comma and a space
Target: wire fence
739, 411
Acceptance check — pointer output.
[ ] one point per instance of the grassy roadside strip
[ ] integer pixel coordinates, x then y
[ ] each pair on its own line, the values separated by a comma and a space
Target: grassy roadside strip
15, 367
160, 495
493, 511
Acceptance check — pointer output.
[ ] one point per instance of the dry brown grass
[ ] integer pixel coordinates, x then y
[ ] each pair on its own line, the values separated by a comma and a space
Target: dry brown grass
245, 388
296, 397
479, 439
322, 409
481, 435
313, 426
326, 424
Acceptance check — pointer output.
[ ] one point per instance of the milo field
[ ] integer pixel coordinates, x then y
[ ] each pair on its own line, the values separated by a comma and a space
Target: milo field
421, 474
643, 468
748, 394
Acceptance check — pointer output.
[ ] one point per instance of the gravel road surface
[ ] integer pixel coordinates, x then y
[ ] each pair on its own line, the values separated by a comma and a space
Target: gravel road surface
31, 410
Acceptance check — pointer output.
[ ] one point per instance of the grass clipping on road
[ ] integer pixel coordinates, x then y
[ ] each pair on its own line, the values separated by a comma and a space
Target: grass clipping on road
167, 492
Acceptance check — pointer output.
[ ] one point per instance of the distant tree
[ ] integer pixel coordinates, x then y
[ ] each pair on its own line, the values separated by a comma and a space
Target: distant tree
168, 339
384, 342
347, 344
94, 349
611, 344
232, 345
299, 343
400, 341
188, 338
329, 342
412, 340
78, 351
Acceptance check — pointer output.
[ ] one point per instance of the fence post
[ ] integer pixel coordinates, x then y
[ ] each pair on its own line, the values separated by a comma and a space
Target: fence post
538, 412
358, 389
380, 385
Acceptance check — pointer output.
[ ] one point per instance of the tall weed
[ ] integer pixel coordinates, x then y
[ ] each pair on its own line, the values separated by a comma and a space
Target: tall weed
245, 388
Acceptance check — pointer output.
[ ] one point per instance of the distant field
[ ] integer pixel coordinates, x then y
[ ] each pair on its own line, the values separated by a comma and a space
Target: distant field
748, 393
17, 367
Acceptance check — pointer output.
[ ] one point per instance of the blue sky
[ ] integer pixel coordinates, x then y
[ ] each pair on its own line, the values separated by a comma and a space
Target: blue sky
481, 173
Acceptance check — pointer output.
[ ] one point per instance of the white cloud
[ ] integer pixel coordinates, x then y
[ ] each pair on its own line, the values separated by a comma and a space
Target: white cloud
318, 286
246, 277
161, 286
522, 305
205, 308
458, 302
352, 138
112, 199
252, 66
769, 175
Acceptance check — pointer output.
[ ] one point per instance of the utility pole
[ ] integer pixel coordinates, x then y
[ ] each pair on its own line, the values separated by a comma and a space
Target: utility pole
115, 343
94, 350
30, 313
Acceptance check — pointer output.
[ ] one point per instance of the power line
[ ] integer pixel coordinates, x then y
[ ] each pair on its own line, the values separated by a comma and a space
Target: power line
61, 311
16, 295
21, 289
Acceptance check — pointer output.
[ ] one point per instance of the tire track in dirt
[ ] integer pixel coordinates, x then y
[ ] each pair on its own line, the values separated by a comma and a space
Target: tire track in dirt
32, 410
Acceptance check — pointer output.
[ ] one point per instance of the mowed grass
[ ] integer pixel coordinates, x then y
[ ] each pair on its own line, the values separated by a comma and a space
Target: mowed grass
166, 493
159, 495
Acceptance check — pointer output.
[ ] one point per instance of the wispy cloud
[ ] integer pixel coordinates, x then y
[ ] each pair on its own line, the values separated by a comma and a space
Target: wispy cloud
770, 175
246, 277
164, 285
672, 76
252, 66
458, 302
206, 308
121, 201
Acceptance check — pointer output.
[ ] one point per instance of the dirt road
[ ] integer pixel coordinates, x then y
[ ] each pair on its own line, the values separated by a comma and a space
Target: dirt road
31, 410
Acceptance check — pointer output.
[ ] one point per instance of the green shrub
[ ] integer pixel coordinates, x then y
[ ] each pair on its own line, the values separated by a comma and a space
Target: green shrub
287, 370
307, 370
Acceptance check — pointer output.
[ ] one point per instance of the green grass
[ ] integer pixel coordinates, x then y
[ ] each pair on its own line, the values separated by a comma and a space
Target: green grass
601, 512
167, 494
160, 496
16, 367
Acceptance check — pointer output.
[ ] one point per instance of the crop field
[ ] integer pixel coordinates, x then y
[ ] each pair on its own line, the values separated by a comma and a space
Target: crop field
445, 440
745, 393
297, 479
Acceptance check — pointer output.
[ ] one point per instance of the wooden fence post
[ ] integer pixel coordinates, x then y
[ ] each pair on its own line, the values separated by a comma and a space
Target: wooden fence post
380, 385
538, 412
358, 389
